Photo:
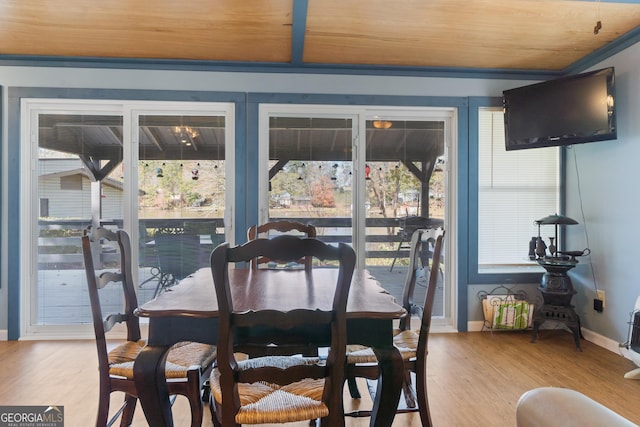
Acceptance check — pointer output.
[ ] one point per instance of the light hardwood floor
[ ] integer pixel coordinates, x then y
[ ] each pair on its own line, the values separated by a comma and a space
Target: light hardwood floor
474, 379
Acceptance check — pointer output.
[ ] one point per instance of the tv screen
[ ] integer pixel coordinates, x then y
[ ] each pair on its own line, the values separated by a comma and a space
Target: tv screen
564, 111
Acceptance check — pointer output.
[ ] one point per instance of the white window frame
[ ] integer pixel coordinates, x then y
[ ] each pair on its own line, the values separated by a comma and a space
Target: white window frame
30, 109
359, 116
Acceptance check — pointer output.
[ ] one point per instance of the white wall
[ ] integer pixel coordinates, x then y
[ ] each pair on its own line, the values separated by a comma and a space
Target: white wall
250, 82
609, 209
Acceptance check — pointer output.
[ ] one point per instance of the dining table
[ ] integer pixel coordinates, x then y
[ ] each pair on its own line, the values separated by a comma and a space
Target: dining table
189, 312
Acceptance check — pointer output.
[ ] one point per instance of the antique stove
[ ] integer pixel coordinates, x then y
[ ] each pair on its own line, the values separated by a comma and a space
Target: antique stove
555, 286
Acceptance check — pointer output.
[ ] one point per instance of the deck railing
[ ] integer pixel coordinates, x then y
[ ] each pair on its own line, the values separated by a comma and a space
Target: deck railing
59, 243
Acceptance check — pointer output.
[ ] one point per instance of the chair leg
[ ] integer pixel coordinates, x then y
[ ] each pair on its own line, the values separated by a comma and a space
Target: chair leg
206, 391
213, 408
165, 282
397, 254
214, 415
155, 274
128, 411
212, 412
194, 396
102, 418
421, 392
160, 285
196, 411
353, 388
409, 393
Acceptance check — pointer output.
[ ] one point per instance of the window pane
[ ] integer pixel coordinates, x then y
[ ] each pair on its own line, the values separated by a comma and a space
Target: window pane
79, 177
515, 188
310, 174
181, 199
404, 186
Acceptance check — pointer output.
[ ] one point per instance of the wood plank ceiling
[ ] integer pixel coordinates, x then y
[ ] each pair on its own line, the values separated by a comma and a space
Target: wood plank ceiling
530, 35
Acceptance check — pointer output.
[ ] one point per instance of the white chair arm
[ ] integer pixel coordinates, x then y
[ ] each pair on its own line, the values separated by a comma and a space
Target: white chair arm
555, 406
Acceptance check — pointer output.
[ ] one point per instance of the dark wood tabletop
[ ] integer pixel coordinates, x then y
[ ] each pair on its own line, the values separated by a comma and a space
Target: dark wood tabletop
189, 311
266, 288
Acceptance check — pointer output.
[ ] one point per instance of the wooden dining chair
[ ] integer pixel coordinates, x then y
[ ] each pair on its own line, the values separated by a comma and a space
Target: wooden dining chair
113, 291
412, 343
282, 226
284, 388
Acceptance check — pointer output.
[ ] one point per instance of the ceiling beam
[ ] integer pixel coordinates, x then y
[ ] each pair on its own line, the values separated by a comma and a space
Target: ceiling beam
97, 172
151, 134
298, 30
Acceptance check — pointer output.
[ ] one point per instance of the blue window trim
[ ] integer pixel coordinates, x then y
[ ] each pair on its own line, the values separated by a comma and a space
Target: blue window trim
474, 277
1, 160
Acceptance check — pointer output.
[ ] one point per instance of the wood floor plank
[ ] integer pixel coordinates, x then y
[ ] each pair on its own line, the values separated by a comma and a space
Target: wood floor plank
474, 379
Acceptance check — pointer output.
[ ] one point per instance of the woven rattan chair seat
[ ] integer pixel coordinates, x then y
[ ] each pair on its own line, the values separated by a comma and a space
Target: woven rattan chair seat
271, 403
405, 341
181, 356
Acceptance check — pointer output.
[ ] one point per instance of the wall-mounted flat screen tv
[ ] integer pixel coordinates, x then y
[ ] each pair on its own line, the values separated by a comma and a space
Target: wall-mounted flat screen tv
565, 111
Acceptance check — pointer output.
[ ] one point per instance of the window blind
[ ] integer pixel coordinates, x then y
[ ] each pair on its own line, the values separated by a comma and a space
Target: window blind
515, 188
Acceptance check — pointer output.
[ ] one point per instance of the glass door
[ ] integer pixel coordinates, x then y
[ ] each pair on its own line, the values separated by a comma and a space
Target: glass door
310, 173
181, 199
365, 176
150, 169
78, 150
404, 191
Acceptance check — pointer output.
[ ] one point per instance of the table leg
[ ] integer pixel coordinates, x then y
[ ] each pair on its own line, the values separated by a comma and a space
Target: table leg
389, 385
151, 384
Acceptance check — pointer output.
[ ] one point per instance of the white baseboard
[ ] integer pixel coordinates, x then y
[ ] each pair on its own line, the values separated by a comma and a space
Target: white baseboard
599, 340
4, 335
475, 325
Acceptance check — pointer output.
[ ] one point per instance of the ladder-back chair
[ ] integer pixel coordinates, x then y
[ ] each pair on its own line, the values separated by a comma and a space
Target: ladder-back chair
412, 344
188, 364
283, 388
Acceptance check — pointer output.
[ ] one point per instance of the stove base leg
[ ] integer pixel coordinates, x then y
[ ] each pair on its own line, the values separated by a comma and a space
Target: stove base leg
573, 325
577, 334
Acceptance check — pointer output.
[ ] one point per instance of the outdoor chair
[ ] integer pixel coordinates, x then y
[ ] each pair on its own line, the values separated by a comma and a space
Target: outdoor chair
188, 364
412, 344
408, 225
147, 255
285, 388
178, 256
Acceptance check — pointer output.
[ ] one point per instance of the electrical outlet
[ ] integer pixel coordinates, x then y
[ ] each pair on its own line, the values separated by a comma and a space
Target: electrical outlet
597, 305
600, 296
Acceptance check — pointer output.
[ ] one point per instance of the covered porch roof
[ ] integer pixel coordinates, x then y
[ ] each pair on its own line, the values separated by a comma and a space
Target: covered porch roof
203, 138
